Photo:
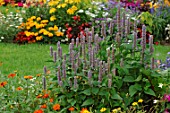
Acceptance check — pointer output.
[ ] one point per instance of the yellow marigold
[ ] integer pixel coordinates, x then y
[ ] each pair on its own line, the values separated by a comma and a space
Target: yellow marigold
77, 1
140, 100
55, 28
52, 10
50, 34
70, 11
37, 26
102, 109
33, 17
45, 32
39, 38
50, 28
27, 33
114, 110
53, 3
41, 30
52, 18
167, 2
74, 8
28, 27
35, 34
59, 33
2, 2
134, 103
39, 18
44, 21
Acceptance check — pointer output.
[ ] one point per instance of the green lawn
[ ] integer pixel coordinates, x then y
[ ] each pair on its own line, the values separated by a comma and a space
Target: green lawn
26, 59
30, 59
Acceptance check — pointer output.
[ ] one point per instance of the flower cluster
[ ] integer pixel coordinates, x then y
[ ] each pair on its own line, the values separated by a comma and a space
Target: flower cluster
167, 29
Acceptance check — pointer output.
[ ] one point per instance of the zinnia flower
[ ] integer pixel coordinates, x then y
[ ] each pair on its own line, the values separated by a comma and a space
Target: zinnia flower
38, 111
11, 75
51, 100
28, 77
71, 109
44, 106
56, 107
18, 88
2, 84
84, 110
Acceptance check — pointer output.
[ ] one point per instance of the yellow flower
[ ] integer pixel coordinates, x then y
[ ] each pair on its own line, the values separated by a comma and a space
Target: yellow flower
50, 28
69, 1
140, 100
70, 11
2, 2
167, 2
41, 30
28, 27
52, 18
39, 18
59, 33
55, 28
27, 33
50, 34
74, 8
52, 10
114, 110
44, 21
77, 1
53, 3
35, 34
102, 109
33, 17
45, 32
37, 26
134, 104
39, 38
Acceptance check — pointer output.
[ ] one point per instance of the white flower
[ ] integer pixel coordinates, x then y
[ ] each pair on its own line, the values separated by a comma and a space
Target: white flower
20, 20
105, 14
155, 101
80, 11
2, 37
160, 85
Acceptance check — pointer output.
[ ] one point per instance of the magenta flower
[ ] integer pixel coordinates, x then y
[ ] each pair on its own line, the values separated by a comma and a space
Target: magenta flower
166, 97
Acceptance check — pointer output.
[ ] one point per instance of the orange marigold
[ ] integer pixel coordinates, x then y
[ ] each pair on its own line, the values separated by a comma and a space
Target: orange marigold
44, 106
56, 107
28, 77
84, 110
38, 75
11, 75
2, 84
71, 109
18, 88
45, 96
51, 100
38, 111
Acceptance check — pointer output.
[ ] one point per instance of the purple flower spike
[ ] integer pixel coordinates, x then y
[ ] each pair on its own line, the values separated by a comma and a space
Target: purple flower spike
75, 82
55, 56
51, 51
44, 82
45, 70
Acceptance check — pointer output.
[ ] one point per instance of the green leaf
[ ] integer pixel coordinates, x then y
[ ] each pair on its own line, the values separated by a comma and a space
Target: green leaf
89, 101
128, 79
95, 90
139, 78
150, 92
116, 96
132, 90
87, 92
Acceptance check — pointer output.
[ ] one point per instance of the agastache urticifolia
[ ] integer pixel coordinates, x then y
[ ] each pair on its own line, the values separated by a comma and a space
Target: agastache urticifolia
123, 25
59, 75
75, 82
51, 51
152, 63
143, 42
109, 83
118, 21
54, 56
45, 70
151, 48
100, 72
103, 30
44, 83
90, 77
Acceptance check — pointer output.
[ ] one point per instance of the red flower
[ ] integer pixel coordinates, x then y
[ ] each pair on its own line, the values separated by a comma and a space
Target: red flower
38, 111
11, 75
45, 96
2, 84
156, 43
71, 109
56, 107
44, 106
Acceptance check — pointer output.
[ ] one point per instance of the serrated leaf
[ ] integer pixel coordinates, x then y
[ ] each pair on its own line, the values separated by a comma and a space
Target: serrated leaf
132, 90
139, 78
89, 101
116, 96
87, 92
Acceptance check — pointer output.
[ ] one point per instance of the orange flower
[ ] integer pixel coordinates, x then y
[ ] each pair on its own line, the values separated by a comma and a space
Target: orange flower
38, 75
39, 96
48, 71
45, 96
56, 107
84, 110
44, 106
28, 77
71, 109
51, 100
38, 111
2, 84
11, 75
18, 88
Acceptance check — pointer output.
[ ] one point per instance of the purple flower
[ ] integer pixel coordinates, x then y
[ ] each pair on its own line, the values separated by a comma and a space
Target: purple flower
166, 97
168, 53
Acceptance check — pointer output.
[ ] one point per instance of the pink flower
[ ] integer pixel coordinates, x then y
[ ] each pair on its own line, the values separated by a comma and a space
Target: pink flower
166, 97
20, 4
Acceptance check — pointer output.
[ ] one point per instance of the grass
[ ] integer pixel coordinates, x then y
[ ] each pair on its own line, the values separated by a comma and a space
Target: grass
26, 59
30, 59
